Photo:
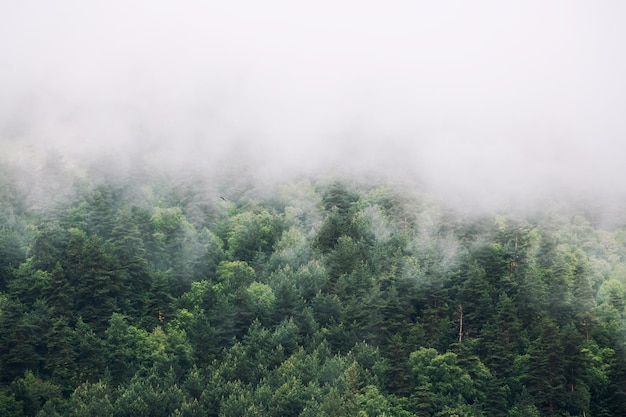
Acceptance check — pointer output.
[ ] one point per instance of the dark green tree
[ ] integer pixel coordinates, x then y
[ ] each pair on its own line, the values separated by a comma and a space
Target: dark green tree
547, 374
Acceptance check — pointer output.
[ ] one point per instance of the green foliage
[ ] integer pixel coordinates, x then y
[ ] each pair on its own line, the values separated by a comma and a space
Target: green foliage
9, 406
158, 298
235, 274
262, 297
613, 293
442, 385
91, 400
251, 234
34, 393
127, 348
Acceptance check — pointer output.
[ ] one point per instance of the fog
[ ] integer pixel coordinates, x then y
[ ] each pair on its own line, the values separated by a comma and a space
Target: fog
483, 102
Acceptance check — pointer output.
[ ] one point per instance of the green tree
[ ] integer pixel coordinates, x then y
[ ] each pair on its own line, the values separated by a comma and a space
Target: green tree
127, 349
261, 297
11, 253
60, 362
91, 272
48, 245
9, 406
130, 265
88, 353
235, 274
29, 283
547, 374
154, 395
34, 393
102, 211
613, 293
252, 233
91, 400
25, 338
443, 386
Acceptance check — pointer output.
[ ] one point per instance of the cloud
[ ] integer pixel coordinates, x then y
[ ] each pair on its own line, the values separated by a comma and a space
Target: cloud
479, 98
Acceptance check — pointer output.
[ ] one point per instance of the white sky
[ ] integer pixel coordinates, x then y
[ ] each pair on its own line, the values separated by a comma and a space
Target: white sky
478, 97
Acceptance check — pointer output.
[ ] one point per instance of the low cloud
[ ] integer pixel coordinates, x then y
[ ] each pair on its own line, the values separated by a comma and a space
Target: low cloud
483, 101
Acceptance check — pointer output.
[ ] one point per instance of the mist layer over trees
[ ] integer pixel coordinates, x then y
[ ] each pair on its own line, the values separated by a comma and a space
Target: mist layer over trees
330, 209
153, 294
484, 102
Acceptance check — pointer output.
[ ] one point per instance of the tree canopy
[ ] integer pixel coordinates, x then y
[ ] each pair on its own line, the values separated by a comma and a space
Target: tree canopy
319, 298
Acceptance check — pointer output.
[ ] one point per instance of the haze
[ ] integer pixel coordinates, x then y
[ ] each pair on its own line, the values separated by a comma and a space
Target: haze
482, 101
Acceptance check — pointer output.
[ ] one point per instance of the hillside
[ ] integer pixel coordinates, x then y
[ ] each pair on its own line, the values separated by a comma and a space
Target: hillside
151, 294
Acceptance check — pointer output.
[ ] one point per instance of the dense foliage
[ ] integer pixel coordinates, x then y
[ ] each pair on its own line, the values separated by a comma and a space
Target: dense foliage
155, 296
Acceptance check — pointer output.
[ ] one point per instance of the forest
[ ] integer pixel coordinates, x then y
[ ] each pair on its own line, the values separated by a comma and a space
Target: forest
148, 293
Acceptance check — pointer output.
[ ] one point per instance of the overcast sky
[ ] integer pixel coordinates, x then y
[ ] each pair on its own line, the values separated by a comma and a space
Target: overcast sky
476, 97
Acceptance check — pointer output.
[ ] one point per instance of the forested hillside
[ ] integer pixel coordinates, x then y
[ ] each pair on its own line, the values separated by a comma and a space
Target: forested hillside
148, 294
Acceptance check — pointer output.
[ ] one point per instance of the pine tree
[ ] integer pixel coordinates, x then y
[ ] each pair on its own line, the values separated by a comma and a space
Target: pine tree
547, 377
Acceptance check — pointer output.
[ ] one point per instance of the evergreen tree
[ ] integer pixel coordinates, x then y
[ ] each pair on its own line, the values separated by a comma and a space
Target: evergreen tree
547, 377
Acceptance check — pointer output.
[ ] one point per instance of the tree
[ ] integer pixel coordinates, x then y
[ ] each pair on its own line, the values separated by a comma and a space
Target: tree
29, 283
34, 393
261, 297
235, 274
252, 233
613, 293
91, 400
60, 362
25, 338
9, 406
442, 385
102, 204
126, 347
48, 246
503, 338
91, 272
547, 371
130, 265
11, 253
152, 395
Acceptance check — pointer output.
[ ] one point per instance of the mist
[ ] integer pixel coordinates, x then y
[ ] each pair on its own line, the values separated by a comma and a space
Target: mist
482, 103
